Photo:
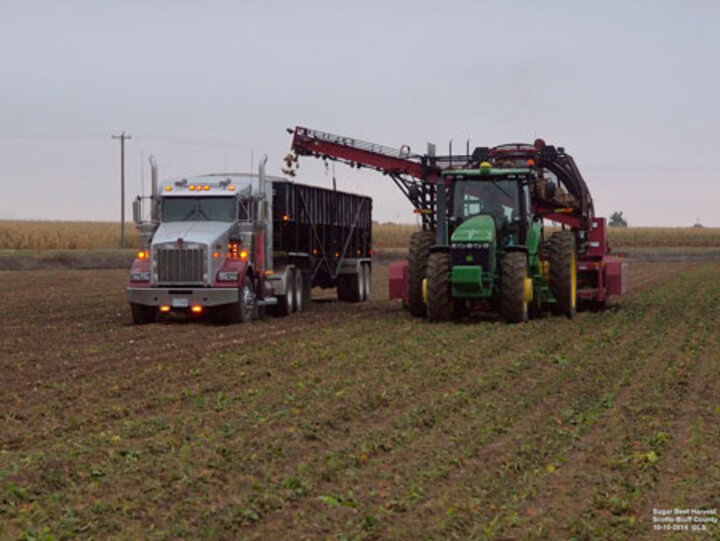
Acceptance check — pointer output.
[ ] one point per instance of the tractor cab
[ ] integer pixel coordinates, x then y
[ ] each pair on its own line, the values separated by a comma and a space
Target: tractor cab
489, 205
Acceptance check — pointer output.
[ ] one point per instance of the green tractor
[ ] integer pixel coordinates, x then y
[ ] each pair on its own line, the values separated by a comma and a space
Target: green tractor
482, 242
489, 249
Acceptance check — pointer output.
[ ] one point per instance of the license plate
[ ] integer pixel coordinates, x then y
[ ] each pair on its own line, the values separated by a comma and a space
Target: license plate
180, 303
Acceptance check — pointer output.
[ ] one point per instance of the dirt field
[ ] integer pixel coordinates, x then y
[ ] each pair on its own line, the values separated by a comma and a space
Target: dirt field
356, 422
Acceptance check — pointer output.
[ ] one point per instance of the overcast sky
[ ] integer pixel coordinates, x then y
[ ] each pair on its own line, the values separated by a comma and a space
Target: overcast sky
630, 88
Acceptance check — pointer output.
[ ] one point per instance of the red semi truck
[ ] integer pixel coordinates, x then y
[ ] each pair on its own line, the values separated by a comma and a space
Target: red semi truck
234, 245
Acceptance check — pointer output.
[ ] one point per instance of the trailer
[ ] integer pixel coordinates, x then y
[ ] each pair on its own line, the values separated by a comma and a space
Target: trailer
237, 245
483, 240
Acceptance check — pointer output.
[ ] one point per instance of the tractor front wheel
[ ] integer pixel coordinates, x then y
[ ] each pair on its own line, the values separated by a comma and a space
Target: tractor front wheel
563, 273
513, 300
439, 293
418, 254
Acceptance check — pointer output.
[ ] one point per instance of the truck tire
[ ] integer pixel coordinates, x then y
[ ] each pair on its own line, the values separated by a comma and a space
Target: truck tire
247, 307
299, 291
350, 287
141, 314
563, 273
513, 306
418, 254
286, 303
367, 281
439, 294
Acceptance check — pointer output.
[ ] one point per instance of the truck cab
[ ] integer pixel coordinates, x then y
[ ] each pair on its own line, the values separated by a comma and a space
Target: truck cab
235, 244
206, 248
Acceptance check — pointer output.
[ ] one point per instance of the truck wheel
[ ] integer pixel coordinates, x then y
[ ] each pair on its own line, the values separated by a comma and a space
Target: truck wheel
247, 308
350, 287
286, 303
439, 295
418, 254
141, 314
299, 291
513, 306
563, 273
367, 281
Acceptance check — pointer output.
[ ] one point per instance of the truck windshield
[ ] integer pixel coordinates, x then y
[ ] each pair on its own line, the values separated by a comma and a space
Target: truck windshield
498, 198
198, 209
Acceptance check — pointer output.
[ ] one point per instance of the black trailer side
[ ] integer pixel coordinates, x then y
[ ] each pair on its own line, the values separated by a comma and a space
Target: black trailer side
326, 233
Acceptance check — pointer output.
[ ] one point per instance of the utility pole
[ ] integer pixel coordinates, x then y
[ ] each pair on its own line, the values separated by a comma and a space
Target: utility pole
122, 137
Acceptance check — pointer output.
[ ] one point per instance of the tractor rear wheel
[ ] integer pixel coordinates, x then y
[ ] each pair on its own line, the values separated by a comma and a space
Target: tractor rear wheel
141, 314
563, 273
439, 293
513, 304
418, 254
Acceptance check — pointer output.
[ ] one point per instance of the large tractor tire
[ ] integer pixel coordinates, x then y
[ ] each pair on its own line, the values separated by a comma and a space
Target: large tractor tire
141, 314
418, 254
563, 273
439, 292
513, 301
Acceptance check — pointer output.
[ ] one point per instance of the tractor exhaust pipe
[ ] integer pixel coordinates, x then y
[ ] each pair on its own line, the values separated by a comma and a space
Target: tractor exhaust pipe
154, 200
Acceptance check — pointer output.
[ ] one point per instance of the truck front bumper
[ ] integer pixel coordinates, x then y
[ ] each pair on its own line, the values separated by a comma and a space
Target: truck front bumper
182, 298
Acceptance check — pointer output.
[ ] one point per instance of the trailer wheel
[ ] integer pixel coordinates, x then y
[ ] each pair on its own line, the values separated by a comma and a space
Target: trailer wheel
350, 287
141, 314
439, 294
563, 273
513, 303
299, 291
367, 281
418, 254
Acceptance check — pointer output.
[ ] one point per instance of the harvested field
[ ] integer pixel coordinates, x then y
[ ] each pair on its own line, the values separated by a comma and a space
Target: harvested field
356, 422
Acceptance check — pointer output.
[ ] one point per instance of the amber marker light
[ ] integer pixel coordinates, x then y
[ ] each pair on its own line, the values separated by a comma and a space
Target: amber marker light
165, 308
243, 254
531, 162
196, 309
191, 188
143, 254
206, 188
286, 218
231, 188
168, 188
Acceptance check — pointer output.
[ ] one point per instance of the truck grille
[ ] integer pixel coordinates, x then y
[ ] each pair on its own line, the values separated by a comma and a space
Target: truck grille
180, 265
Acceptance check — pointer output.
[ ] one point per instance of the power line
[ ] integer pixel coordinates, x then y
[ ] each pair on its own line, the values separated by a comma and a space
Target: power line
122, 137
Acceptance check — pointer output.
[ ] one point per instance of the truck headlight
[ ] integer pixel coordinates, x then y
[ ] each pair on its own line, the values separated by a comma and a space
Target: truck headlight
139, 276
227, 276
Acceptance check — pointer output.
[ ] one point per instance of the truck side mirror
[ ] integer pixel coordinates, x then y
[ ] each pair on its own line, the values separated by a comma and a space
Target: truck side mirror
137, 211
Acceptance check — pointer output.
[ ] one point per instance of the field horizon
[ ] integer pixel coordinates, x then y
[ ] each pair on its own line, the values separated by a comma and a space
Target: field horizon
96, 235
